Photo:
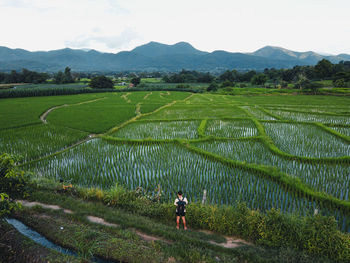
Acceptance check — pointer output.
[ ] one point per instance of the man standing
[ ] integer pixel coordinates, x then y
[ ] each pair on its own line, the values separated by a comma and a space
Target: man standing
180, 203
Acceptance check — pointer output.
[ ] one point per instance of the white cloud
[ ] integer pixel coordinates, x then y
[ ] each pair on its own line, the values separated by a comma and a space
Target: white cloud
233, 25
109, 42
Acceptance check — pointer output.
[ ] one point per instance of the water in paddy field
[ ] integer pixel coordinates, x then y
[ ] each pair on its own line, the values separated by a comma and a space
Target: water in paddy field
100, 164
41, 240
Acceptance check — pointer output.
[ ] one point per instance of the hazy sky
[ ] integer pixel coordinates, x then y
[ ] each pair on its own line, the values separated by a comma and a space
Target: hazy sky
232, 25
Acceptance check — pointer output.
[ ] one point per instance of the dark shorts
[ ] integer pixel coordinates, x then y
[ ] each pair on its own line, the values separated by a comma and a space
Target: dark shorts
180, 213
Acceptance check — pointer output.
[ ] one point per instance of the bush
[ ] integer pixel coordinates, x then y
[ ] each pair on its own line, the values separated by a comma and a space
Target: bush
339, 83
227, 83
13, 184
213, 87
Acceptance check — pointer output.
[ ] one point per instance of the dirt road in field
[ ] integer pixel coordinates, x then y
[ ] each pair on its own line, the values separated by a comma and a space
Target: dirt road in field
44, 115
231, 242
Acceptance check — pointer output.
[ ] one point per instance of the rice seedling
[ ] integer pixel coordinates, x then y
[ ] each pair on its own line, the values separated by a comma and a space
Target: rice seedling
99, 164
159, 130
257, 113
329, 178
306, 140
184, 111
342, 130
300, 116
35, 141
169, 165
231, 128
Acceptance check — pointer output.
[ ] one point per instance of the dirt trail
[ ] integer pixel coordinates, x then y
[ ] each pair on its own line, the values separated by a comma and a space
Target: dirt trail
150, 238
100, 221
231, 242
44, 115
138, 109
147, 95
53, 207
125, 97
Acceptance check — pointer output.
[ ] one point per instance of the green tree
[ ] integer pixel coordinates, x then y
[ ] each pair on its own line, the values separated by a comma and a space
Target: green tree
136, 81
259, 79
67, 76
62, 78
101, 82
213, 87
324, 68
58, 78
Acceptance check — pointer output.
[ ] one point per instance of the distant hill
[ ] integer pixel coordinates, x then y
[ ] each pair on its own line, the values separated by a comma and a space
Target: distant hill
157, 56
309, 57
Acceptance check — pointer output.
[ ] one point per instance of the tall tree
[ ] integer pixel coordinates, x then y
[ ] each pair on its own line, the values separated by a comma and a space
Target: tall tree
324, 69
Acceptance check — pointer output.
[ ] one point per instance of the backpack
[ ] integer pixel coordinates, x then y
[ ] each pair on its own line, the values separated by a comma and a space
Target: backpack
181, 205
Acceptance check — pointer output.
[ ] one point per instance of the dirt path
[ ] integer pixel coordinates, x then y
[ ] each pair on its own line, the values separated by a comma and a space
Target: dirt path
231, 242
125, 97
100, 221
147, 95
44, 115
90, 137
138, 109
53, 207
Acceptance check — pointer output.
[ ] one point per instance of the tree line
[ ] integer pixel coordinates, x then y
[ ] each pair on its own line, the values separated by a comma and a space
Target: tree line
299, 75
28, 76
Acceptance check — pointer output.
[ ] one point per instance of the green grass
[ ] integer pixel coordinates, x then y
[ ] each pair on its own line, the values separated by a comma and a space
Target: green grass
95, 117
25, 111
281, 238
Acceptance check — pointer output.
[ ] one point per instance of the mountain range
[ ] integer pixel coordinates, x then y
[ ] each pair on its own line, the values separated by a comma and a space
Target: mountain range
158, 57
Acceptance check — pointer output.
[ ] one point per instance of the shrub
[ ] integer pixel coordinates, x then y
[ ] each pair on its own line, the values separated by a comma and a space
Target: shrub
339, 83
213, 87
13, 184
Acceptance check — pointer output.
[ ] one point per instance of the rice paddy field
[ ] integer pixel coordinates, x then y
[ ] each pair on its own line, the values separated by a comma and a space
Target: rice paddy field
286, 152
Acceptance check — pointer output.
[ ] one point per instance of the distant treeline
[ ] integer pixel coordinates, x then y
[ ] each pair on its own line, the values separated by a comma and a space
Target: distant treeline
28, 76
300, 75
36, 92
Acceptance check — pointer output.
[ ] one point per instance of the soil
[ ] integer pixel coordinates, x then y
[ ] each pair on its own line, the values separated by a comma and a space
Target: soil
14, 247
150, 238
53, 207
231, 242
100, 221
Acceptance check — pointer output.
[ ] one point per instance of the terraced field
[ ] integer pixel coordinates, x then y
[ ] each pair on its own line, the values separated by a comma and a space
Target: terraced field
285, 152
